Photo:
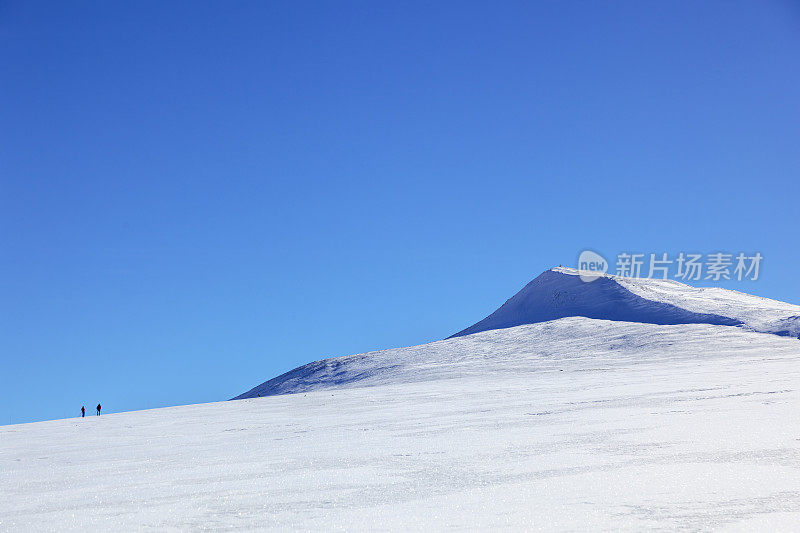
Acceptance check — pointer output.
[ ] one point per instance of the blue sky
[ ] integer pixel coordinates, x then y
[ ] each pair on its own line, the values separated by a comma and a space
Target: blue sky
198, 196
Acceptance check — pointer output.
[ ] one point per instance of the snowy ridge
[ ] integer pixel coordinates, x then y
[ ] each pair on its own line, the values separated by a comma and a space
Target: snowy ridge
607, 314
754, 312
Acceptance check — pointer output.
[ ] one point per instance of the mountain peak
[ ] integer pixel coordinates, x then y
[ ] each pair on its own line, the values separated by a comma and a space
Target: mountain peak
564, 292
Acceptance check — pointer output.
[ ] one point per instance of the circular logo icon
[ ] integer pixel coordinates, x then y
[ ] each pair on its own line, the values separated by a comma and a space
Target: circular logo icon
591, 266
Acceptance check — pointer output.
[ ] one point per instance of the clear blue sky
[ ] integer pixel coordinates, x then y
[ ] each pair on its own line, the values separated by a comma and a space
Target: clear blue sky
198, 196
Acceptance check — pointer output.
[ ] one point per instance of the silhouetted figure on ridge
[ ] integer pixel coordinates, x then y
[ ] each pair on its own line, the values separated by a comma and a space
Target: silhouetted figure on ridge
83, 411
98, 409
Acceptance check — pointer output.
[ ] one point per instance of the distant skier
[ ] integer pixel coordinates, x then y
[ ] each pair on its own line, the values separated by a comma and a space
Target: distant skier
98, 409
83, 411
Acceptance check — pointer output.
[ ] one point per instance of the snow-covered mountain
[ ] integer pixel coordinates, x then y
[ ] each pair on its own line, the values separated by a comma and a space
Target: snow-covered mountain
620, 309
676, 422
560, 292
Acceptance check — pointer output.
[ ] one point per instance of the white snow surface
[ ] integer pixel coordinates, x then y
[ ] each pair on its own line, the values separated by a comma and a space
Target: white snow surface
571, 424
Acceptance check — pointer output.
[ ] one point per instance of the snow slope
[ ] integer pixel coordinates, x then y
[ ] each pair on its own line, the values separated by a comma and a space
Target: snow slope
560, 292
557, 293
754, 312
574, 424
